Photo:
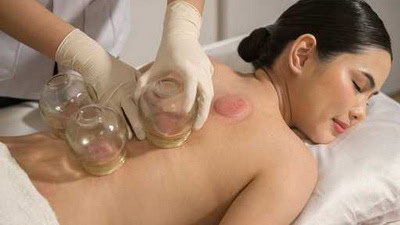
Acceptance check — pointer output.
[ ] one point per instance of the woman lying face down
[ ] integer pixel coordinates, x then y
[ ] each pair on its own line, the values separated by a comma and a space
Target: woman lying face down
316, 67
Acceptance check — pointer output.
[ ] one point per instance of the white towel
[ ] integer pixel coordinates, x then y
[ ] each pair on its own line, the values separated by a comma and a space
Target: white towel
20, 202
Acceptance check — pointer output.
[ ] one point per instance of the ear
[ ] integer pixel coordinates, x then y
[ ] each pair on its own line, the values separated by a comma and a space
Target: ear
302, 51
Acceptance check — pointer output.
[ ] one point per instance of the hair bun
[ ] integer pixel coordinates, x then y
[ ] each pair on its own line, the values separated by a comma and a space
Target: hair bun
251, 47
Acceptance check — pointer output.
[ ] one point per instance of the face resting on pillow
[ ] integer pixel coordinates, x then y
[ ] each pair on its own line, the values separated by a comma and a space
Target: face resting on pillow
324, 70
322, 99
328, 98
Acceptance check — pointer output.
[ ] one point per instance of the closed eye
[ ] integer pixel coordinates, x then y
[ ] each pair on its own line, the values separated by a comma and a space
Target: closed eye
356, 86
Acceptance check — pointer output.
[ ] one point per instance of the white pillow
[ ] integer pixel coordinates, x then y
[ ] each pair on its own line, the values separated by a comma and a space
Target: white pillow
359, 173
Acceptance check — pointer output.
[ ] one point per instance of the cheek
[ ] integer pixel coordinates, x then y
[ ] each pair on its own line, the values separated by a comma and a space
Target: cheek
340, 94
326, 98
337, 96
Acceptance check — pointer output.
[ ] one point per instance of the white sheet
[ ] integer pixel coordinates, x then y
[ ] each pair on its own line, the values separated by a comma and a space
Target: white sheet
21, 119
20, 202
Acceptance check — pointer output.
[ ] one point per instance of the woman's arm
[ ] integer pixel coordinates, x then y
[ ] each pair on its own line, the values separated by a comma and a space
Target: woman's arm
32, 24
276, 195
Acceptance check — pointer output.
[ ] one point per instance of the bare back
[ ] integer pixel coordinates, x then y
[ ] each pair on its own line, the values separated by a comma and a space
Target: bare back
239, 161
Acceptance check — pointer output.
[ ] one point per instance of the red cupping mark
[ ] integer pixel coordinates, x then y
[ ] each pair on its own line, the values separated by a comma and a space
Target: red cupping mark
230, 106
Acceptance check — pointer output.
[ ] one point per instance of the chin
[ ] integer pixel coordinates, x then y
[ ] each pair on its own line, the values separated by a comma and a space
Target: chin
323, 140
321, 137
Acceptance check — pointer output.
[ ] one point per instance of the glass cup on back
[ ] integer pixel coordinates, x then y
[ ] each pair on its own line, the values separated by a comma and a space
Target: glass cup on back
62, 96
97, 136
162, 115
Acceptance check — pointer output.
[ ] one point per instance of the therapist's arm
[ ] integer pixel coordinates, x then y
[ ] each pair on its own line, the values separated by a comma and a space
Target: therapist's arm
32, 24
199, 4
181, 52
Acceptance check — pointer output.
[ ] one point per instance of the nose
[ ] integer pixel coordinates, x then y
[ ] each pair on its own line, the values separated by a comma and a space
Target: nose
358, 113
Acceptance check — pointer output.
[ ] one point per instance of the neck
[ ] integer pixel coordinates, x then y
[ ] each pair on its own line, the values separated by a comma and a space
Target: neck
281, 88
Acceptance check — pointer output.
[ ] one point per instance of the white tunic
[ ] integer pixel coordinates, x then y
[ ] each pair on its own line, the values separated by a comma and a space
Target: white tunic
23, 71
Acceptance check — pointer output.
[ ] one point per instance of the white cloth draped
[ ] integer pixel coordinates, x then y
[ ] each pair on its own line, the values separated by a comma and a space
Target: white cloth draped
20, 202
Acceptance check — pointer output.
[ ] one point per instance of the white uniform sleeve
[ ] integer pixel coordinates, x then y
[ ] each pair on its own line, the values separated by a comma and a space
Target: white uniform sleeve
23, 71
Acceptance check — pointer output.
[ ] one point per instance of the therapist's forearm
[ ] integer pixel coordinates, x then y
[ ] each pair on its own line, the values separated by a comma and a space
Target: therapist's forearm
32, 24
199, 4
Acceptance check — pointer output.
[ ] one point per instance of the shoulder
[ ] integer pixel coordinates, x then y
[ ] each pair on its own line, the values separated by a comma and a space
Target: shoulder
279, 191
295, 162
220, 68
291, 177
291, 156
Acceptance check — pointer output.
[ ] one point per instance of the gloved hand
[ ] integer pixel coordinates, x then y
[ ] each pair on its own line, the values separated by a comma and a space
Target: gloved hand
180, 52
112, 79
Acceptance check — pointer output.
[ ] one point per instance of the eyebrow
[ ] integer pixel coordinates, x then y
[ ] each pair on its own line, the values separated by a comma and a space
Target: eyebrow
371, 81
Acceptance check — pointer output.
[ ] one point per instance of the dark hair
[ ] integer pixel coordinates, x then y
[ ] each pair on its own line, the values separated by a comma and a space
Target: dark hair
340, 26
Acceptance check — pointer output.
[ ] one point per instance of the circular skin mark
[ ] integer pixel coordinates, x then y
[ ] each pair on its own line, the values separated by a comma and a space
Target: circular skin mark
232, 106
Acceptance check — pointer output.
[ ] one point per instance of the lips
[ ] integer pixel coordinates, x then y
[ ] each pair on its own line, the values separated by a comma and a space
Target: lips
340, 126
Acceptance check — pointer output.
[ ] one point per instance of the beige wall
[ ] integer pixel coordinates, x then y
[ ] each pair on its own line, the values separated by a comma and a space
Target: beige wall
146, 28
388, 11
227, 18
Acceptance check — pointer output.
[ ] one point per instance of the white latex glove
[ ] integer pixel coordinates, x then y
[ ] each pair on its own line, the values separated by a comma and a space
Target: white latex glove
112, 79
180, 52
